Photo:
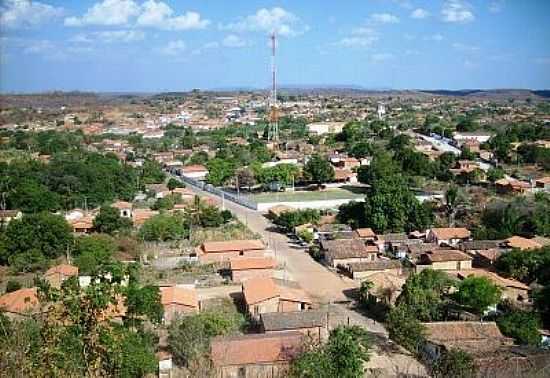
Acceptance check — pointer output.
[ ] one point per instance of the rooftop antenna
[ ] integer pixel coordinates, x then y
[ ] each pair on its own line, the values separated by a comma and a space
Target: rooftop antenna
273, 134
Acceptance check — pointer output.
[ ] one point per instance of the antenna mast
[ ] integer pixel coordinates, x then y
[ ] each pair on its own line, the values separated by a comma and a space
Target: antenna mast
273, 133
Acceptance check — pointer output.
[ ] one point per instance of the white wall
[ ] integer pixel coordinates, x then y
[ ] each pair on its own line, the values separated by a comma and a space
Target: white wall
319, 204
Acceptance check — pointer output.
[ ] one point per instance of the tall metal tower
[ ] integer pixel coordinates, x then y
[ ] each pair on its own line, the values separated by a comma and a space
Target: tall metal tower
273, 133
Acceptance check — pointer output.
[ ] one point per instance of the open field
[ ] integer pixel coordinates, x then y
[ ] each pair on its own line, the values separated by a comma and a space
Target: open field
298, 196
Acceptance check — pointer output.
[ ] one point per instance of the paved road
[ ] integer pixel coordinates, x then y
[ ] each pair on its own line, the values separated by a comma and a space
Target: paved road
329, 290
319, 282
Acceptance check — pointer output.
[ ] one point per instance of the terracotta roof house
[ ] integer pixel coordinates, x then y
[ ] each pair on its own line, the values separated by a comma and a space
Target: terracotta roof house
178, 301
125, 208
262, 294
346, 251
20, 302
494, 355
243, 268
448, 235
365, 233
56, 275
310, 323
445, 259
362, 270
195, 171
386, 286
521, 243
255, 355
140, 216
83, 225
218, 251
511, 185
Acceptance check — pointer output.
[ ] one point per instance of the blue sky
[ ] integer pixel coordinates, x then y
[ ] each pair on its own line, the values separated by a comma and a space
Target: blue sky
158, 45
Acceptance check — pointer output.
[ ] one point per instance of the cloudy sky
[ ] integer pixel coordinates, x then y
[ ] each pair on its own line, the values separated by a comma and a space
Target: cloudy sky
158, 45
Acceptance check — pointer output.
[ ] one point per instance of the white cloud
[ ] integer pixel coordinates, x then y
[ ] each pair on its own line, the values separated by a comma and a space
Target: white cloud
276, 19
39, 47
465, 48
383, 18
233, 41
151, 13
174, 48
108, 12
496, 6
420, 14
111, 36
360, 37
381, 57
457, 11
25, 13
159, 14
435, 37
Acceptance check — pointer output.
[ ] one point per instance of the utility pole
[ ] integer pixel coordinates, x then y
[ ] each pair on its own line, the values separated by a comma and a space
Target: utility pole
273, 134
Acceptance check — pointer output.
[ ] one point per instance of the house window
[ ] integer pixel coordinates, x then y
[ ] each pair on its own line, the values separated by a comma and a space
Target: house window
302, 306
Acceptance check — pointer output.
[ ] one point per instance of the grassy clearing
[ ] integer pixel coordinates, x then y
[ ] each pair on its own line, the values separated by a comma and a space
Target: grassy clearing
327, 194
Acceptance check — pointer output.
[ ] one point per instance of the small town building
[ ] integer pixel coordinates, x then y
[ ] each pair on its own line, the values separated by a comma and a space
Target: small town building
513, 290
450, 236
445, 259
20, 303
365, 234
124, 208
266, 355
178, 301
363, 270
262, 295
243, 268
543, 184
195, 171
521, 243
310, 323
56, 275
345, 251
218, 251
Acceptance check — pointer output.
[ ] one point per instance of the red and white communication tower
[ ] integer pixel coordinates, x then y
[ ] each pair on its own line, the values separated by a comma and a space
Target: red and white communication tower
273, 133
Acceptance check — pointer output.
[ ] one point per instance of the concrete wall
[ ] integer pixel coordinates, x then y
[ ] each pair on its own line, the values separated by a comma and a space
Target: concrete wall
270, 305
363, 275
335, 262
173, 311
314, 333
273, 370
291, 306
447, 265
225, 256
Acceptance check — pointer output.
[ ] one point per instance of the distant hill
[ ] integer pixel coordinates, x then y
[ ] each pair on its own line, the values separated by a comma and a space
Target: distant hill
491, 93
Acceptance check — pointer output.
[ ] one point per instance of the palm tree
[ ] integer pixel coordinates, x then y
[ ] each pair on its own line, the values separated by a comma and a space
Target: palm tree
451, 204
364, 290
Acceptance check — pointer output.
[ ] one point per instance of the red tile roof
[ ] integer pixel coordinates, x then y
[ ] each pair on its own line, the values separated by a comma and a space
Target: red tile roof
245, 263
64, 269
179, 295
256, 348
232, 245
20, 301
259, 289
446, 233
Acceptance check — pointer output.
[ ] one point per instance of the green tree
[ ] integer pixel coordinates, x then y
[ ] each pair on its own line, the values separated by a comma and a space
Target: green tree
220, 171
41, 235
109, 220
163, 227
318, 170
423, 294
13, 285
189, 338
495, 174
477, 293
93, 252
454, 363
344, 354
405, 328
173, 184
522, 326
